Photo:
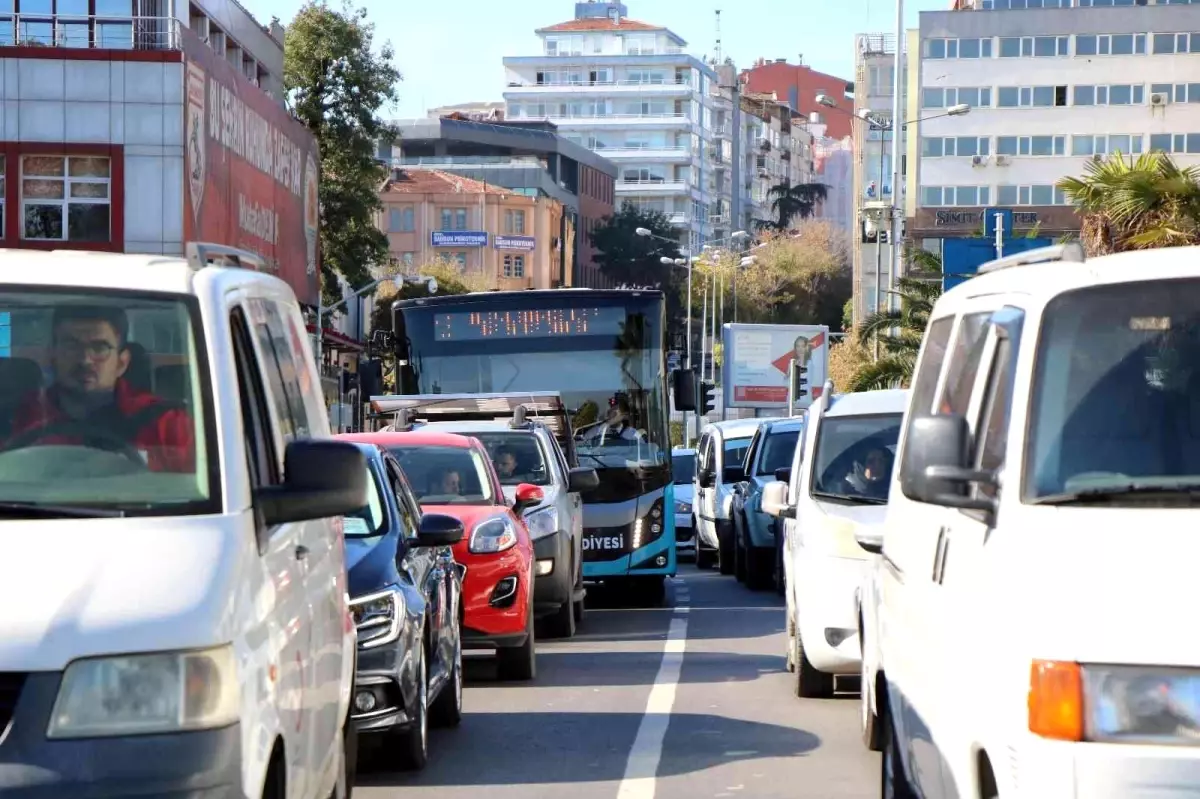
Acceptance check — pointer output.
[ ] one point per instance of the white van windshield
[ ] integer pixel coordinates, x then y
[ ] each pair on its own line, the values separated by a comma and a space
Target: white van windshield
854, 457
103, 404
1116, 394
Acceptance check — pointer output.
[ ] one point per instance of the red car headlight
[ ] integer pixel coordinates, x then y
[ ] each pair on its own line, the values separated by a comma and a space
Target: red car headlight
494, 535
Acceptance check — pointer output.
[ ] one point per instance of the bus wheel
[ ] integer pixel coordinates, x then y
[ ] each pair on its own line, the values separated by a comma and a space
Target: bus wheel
655, 590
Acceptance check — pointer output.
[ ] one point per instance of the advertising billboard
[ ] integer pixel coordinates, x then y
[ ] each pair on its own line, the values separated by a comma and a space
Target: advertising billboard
756, 359
252, 170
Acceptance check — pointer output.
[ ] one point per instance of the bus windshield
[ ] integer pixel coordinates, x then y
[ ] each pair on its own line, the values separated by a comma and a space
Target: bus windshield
602, 352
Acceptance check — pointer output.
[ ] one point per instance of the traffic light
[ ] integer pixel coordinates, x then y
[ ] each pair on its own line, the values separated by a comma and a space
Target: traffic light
708, 397
800, 381
885, 236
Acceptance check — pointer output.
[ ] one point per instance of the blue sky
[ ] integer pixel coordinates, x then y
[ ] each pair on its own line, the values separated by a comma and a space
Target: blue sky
449, 51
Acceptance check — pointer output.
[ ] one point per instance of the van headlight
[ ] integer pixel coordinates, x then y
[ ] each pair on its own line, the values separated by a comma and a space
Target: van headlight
542, 523
494, 535
140, 694
377, 617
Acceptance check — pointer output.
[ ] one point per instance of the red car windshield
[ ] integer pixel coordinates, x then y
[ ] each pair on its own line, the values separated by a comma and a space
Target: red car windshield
446, 475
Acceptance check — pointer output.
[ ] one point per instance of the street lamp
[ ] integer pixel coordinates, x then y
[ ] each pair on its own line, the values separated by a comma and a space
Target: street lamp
398, 281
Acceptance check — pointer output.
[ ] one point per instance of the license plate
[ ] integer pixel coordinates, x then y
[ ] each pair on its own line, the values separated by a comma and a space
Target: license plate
603, 543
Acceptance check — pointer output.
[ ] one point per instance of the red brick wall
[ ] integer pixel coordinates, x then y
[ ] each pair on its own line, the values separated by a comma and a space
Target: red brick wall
801, 85
597, 193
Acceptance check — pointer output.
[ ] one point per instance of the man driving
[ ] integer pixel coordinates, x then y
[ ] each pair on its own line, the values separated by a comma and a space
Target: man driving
871, 477
91, 403
451, 482
506, 464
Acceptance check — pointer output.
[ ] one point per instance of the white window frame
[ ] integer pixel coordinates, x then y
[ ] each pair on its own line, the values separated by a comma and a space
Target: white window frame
67, 200
514, 265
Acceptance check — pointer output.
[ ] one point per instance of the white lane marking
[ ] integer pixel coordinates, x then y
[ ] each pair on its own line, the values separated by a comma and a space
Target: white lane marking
641, 769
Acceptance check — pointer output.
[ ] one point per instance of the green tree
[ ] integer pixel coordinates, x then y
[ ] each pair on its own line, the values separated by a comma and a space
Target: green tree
900, 331
336, 86
791, 201
1136, 204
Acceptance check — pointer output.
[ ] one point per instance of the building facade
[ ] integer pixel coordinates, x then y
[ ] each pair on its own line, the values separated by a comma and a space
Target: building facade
629, 91
509, 239
798, 85
779, 152
529, 158
1050, 88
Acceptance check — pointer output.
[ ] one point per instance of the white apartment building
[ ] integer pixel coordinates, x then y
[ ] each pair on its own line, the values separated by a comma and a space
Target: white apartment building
629, 91
1049, 88
779, 151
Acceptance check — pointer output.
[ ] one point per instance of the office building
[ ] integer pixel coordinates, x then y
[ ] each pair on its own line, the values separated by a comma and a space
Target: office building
528, 158
1050, 88
630, 91
798, 85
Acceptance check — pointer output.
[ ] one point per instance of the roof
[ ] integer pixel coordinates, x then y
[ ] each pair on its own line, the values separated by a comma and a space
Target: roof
435, 181
417, 438
866, 403
738, 428
599, 24
788, 425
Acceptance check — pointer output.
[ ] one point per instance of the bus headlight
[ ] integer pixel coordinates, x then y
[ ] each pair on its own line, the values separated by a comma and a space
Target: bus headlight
144, 694
649, 527
542, 523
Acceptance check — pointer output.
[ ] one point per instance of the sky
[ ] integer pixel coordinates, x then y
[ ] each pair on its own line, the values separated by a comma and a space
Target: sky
450, 51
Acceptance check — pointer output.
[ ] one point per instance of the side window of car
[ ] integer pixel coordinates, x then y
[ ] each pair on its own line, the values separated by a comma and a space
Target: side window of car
410, 515
556, 455
272, 334
997, 402
262, 461
312, 396
704, 452
963, 368
752, 450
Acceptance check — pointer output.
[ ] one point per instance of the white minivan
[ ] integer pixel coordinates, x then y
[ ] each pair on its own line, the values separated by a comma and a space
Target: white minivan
1041, 548
838, 486
721, 453
173, 609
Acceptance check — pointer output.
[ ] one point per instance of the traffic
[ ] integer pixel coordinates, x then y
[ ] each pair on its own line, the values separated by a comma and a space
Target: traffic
234, 600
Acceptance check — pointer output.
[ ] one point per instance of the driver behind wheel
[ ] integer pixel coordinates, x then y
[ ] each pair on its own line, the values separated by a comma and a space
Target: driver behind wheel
91, 403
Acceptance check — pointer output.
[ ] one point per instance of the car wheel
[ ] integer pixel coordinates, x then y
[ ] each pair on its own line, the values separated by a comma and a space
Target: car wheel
810, 683
655, 590
868, 721
760, 568
705, 557
741, 569
519, 662
780, 575
447, 708
562, 623
893, 784
414, 741
791, 644
348, 763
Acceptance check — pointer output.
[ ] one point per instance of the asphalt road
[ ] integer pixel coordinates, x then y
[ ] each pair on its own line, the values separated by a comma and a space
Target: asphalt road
686, 701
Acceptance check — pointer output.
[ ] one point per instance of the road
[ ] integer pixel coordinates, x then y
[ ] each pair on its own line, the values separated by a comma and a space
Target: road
610, 716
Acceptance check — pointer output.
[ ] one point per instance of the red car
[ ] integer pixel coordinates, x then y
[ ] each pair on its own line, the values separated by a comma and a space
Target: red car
453, 475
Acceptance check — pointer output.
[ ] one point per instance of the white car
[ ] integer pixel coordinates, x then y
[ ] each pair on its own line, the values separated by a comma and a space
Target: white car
683, 473
1041, 542
173, 609
719, 468
838, 486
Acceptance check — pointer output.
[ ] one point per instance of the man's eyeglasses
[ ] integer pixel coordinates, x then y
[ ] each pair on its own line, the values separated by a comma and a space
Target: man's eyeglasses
97, 349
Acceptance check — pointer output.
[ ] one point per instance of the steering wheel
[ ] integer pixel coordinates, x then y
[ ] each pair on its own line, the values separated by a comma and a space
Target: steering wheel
102, 439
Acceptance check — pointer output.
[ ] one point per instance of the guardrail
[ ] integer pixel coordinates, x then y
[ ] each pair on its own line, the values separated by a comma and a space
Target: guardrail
90, 31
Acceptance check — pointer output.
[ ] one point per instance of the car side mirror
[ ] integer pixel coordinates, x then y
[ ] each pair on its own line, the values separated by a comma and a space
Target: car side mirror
784, 474
870, 538
936, 467
775, 501
527, 495
321, 479
683, 389
706, 478
439, 530
582, 478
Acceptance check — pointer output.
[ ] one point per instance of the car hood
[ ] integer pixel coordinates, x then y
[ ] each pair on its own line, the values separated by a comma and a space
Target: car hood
371, 563
72, 588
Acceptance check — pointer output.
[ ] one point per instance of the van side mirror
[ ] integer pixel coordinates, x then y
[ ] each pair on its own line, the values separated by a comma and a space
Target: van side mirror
936, 465
582, 478
775, 501
439, 530
683, 389
321, 479
784, 474
706, 477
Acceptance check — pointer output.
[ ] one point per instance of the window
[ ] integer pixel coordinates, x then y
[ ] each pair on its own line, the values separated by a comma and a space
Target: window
1115, 94
440, 475
1175, 142
932, 356
1041, 194
454, 219
65, 198
934, 196
514, 222
1031, 96
459, 258
514, 266
1091, 144
992, 437
1031, 145
778, 450
1110, 44
961, 146
989, 5
1177, 92
976, 97
1176, 43
964, 363
1034, 46
282, 370
958, 48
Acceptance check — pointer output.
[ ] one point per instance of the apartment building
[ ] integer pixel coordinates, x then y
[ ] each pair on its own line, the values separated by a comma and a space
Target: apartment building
508, 238
1050, 88
138, 125
779, 151
798, 85
627, 90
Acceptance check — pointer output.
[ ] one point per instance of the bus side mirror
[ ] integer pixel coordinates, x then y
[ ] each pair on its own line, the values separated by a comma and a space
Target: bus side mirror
683, 389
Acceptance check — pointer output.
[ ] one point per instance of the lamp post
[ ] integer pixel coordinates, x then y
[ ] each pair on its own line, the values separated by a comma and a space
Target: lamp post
398, 281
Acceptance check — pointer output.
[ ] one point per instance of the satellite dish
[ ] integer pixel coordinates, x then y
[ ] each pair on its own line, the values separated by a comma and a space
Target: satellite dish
432, 285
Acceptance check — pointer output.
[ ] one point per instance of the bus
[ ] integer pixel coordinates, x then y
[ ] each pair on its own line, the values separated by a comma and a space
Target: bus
603, 352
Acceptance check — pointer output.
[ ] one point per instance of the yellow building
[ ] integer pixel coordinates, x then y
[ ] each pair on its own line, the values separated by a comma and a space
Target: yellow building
512, 240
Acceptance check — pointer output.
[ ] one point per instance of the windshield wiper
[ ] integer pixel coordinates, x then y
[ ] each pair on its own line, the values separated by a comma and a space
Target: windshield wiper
34, 510
595, 458
858, 500
1102, 494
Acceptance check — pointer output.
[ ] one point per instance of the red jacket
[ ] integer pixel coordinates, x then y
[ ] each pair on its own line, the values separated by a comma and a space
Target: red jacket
166, 438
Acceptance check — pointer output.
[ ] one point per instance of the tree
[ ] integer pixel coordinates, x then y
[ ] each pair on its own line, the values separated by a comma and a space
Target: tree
450, 278
789, 202
336, 86
1136, 204
798, 278
900, 331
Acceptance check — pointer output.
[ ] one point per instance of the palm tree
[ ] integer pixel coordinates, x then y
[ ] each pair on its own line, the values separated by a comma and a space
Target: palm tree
1136, 203
789, 202
899, 332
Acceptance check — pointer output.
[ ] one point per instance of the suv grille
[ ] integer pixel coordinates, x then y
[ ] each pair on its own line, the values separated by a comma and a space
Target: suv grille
10, 689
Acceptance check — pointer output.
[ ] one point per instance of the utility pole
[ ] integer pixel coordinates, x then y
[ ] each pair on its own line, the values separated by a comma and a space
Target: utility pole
897, 238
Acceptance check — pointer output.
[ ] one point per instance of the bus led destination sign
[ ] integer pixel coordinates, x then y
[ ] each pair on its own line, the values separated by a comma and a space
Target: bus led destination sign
528, 323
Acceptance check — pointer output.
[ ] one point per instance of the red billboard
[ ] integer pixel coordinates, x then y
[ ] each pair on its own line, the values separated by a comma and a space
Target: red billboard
252, 170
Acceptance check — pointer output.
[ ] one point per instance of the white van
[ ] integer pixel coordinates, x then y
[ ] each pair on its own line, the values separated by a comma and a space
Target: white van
1041, 542
173, 609
719, 468
839, 484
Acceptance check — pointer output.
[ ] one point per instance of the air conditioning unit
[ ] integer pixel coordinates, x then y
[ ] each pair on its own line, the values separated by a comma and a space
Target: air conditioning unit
1098, 158
1003, 160
1159, 99
979, 160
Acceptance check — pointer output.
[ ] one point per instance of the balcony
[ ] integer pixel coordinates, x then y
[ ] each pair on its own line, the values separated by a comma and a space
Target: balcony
651, 186
618, 120
90, 32
616, 87
470, 160
674, 154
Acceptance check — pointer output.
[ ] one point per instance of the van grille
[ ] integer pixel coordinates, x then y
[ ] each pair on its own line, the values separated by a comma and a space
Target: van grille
10, 689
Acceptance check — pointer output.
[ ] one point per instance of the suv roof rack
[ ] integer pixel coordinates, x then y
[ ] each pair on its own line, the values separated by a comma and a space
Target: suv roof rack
1072, 251
201, 254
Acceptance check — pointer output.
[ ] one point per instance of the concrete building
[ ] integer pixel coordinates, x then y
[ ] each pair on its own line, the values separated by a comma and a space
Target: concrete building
629, 90
179, 102
1050, 88
527, 158
779, 151
510, 239
798, 86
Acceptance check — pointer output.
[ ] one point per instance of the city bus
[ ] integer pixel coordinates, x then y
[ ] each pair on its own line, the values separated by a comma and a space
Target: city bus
604, 352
